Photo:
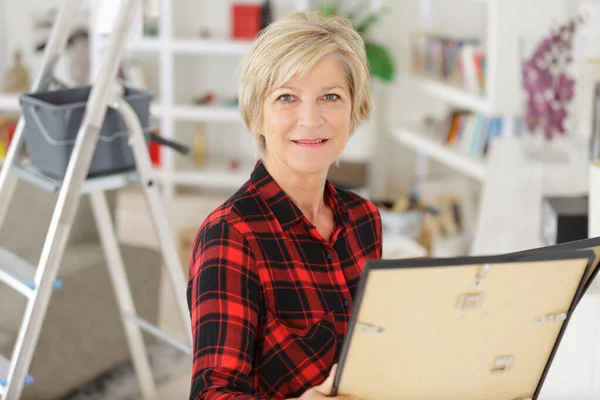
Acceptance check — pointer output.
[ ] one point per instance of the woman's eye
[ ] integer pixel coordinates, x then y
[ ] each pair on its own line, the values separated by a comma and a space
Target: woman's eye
331, 97
286, 98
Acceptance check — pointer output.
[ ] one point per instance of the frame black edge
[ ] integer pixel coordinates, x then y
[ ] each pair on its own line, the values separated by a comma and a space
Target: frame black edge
583, 244
360, 290
573, 251
581, 289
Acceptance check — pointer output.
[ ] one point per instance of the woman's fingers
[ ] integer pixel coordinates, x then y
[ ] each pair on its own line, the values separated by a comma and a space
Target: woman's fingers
327, 386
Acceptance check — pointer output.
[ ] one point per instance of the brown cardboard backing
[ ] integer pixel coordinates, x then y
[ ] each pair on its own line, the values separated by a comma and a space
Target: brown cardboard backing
585, 244
408, 340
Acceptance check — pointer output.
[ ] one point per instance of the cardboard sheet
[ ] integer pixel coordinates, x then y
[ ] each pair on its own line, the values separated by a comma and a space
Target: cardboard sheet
585, 244
462, 328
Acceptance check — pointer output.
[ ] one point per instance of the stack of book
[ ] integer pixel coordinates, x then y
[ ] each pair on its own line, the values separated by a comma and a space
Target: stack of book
473, 134
459, 62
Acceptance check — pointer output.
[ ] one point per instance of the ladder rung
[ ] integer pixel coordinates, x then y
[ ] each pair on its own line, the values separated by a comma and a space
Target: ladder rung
4, 367
18, 273
110, 182
148, 327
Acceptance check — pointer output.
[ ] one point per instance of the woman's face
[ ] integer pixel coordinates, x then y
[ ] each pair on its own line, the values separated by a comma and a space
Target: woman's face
306, 122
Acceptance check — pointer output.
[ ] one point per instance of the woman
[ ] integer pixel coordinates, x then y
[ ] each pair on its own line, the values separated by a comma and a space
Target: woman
275, 268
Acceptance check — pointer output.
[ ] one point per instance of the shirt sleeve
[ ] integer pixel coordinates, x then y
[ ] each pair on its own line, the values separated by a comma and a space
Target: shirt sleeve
223, 297
379, 231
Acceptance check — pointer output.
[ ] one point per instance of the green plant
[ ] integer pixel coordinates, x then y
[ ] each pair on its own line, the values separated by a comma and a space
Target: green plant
379, 56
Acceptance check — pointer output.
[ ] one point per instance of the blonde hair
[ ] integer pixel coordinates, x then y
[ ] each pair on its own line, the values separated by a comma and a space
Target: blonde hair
293, 45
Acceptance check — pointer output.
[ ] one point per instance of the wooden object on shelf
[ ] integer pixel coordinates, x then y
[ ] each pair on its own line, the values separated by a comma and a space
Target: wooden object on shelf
453, 197
402, 204
448, 224
200, 151
429, 233
17, 78
185, 240
349, 174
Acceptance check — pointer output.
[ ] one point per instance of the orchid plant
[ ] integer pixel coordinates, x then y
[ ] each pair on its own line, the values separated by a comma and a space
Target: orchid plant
548, 83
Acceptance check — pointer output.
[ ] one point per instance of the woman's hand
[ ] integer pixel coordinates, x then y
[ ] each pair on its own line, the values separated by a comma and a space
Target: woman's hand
323, 390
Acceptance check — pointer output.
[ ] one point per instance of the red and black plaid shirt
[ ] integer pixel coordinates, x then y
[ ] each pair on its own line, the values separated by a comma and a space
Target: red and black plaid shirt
270, 299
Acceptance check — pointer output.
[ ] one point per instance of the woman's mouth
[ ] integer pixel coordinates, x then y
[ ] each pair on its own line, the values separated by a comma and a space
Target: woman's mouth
310, 142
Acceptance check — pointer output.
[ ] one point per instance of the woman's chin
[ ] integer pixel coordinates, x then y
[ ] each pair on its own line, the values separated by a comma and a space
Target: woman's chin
312, 166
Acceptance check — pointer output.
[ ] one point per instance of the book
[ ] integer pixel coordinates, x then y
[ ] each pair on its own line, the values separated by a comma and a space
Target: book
457, 61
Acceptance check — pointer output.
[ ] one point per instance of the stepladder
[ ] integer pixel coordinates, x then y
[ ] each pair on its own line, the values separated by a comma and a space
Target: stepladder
38, 282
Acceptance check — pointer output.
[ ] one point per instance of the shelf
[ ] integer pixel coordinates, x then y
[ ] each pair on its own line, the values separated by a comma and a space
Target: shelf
456, 95
9, 102
210, 46
192, 46
206, 114
146, 44
215, 175
462, 163
157, 109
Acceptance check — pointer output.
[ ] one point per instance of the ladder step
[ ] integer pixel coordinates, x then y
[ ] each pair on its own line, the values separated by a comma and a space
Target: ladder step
4, 367
32, 176
18, 273
148, 327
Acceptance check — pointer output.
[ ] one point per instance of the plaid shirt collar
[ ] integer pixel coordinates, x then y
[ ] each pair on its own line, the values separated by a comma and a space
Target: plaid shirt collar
284, 209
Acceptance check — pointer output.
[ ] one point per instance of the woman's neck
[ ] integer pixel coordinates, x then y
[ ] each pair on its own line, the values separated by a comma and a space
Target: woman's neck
305, 190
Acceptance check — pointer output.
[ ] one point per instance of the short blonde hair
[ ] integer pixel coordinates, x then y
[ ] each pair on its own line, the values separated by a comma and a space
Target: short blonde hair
293, 45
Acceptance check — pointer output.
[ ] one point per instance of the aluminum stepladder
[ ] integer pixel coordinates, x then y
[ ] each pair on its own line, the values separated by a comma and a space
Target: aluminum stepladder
37, 284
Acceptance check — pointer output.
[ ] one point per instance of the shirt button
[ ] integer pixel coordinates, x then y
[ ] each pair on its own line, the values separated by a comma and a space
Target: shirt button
329, 256
347, 303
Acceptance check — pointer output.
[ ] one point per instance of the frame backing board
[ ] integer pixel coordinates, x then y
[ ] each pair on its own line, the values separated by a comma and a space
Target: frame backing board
462, 328
592, 244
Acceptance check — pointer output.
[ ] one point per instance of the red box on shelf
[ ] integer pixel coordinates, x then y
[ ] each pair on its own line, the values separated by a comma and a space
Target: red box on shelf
246, 21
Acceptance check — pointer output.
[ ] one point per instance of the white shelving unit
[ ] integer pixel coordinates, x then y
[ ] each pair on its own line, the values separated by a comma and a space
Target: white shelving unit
205, 113
9, 103
192, 46
169, 49
507, 23
456, 96
215, 175
414, 138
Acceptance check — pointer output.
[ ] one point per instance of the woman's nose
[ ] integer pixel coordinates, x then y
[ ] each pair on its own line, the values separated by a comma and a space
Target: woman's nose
310, 116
